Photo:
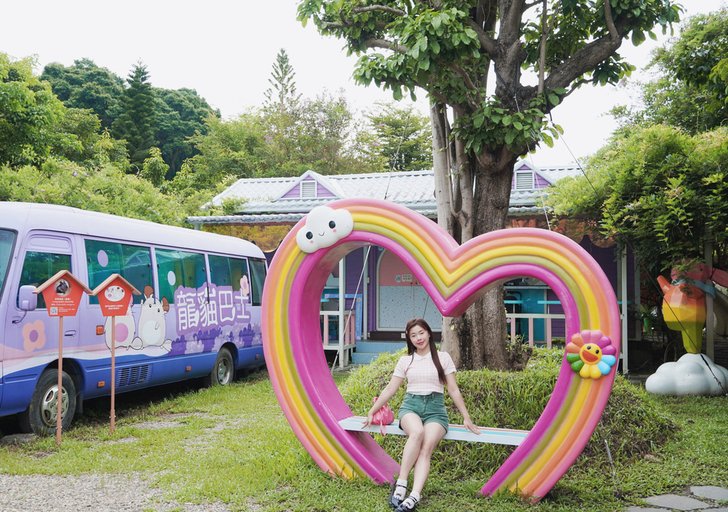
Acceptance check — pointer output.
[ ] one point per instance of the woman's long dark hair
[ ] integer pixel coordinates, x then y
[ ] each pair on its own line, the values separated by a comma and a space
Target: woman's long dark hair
420, 322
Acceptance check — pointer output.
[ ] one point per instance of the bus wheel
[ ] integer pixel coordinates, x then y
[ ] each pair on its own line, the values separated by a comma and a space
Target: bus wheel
40, 417
223, 371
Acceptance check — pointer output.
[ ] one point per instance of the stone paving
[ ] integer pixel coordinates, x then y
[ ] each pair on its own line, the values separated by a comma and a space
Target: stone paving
707, 498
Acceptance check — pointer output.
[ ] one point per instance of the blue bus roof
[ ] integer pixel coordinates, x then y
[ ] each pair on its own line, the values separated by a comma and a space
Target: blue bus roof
24, 217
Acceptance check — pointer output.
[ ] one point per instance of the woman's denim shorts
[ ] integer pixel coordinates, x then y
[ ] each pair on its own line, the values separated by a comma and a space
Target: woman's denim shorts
428, 407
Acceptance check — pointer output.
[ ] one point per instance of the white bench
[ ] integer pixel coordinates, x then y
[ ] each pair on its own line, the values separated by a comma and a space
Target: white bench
455, 432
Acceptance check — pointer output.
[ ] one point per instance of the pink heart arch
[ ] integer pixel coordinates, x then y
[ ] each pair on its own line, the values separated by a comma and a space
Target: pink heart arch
452, 275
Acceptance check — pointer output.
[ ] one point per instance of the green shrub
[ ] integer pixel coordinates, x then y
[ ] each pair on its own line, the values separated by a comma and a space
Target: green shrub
632, 423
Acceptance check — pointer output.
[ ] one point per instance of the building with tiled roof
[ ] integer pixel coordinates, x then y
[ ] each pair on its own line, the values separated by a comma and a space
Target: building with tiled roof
284, 200
379, 291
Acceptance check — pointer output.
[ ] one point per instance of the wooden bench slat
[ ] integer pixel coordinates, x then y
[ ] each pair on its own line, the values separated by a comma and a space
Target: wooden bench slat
455, 432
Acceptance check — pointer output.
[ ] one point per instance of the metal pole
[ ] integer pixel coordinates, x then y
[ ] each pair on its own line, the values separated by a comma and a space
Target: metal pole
709, 306
625, 299
342, 309
113, 375
59, 400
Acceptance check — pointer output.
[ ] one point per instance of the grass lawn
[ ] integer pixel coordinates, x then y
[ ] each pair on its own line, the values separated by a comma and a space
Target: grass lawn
233, 445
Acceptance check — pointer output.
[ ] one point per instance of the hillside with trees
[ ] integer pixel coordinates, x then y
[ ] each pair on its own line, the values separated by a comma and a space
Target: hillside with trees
82, 136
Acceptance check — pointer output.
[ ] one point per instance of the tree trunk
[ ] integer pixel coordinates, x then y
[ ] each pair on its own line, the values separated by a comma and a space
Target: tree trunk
485, 342
445, 218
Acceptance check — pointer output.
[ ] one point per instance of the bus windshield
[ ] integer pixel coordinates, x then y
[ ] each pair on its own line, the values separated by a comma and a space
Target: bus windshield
7, 239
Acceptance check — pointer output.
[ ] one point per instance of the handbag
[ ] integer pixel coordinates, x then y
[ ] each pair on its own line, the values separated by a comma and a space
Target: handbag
384, 416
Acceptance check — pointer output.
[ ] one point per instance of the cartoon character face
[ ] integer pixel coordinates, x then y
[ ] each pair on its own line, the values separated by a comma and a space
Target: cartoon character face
323, 228
63, 287
151, 326
114, 293
591, 353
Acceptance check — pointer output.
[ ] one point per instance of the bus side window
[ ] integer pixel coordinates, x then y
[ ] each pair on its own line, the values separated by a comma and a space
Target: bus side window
225, 271
38, 267
134, 263
179, 268
220, 270
257, 274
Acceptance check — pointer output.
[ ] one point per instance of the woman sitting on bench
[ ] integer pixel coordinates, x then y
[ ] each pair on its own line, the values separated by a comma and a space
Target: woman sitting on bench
423, 415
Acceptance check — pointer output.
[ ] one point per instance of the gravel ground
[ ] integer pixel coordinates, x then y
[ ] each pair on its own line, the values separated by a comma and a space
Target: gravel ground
88, 492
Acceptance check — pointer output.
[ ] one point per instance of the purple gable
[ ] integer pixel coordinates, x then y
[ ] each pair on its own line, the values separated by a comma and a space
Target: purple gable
322, 191
540, 182
295, 192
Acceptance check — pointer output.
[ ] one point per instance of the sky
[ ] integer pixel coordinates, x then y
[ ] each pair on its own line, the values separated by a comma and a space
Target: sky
225, 51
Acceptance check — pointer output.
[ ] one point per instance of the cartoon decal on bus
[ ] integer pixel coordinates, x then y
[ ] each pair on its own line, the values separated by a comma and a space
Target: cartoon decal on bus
198, 314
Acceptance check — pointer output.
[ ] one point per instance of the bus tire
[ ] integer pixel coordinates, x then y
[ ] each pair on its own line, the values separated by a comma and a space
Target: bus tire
40, 417
223, 371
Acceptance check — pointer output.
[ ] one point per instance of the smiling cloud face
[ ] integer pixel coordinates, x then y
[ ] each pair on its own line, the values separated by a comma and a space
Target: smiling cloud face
324, 227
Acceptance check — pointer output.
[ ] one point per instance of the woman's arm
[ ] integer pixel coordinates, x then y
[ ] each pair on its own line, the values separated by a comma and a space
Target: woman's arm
457, 398
387, 393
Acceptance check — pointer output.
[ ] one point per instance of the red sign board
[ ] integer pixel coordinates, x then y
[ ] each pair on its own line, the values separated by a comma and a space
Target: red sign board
115, 295
62, 294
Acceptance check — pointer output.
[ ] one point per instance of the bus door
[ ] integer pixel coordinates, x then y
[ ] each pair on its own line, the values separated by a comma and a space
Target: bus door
7, 246
31, 337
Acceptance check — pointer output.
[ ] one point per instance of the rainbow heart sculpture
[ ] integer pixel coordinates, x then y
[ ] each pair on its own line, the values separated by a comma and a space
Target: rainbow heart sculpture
453, 275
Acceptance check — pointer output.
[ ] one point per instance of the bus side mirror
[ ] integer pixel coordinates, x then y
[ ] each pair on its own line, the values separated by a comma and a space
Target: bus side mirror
27, 298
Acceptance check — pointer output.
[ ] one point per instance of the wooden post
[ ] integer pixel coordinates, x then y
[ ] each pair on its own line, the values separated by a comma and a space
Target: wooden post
113, 375
59, 409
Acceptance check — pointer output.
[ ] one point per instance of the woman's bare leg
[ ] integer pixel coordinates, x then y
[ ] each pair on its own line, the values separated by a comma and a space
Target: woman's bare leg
412, 425
433, 432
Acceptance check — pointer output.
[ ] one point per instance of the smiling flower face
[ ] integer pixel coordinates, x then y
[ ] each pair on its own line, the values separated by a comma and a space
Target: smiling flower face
590, 354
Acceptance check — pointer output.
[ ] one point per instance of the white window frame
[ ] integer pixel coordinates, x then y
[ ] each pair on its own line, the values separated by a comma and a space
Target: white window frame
305, 190
520, 179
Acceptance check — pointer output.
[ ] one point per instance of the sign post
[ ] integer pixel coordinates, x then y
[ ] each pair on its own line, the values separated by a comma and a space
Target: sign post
114, 295
62, 294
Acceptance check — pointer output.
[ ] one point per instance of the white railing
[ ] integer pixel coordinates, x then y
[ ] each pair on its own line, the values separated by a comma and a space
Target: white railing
343, 349
548, 318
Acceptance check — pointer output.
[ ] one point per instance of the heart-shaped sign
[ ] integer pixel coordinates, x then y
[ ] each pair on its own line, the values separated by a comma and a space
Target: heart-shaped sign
453, 276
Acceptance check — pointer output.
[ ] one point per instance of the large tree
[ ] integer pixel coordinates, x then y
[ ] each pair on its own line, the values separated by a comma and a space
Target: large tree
88, 86
29, 114
180, 114
305, 133
691, 87
137, 122
470, 57
399, 139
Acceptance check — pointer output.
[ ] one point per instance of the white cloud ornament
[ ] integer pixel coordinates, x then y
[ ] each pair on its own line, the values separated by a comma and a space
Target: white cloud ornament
323, 228
692, 374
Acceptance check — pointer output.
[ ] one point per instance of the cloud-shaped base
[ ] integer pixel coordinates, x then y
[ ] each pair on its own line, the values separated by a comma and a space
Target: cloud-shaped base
689, 375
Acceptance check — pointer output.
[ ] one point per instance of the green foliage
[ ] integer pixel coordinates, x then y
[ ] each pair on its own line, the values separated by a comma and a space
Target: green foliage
396, 139
29, 114
84, 85
632, 424
657, 188
281, 96
691, 91
449, 49
105, 189
492, 125
136, 124
227, 150
180, 114
154, 168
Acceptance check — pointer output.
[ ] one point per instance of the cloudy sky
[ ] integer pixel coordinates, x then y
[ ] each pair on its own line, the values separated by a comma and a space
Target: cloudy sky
225, 51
